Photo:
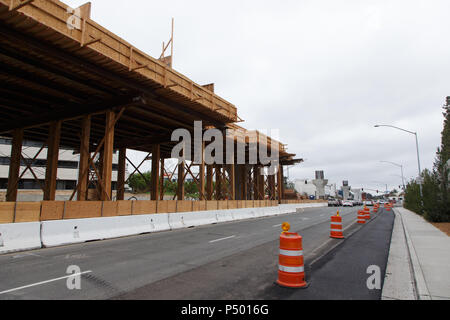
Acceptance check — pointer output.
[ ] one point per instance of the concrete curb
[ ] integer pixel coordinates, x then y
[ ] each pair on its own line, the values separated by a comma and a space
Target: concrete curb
399, 282
422, 291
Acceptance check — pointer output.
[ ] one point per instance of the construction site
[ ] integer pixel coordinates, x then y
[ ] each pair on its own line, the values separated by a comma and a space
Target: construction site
124, 179
85, 89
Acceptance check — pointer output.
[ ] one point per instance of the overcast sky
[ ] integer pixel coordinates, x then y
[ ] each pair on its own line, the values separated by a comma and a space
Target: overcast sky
322, 72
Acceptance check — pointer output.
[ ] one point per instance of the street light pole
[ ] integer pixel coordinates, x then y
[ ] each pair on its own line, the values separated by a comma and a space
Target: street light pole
417, 150
401, 167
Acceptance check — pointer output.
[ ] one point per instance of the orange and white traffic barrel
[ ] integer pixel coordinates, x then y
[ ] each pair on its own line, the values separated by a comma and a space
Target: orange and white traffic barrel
366, 213
336, 227
361, 217
291, 268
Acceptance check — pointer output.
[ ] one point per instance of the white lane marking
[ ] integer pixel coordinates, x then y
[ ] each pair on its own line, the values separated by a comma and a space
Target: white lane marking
277, 225
213, 241
44, 282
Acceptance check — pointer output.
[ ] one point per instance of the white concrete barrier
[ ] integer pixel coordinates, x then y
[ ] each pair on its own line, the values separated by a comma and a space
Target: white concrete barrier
225, 215
192, 219
20, 236
271, 211
244, 213
61, 232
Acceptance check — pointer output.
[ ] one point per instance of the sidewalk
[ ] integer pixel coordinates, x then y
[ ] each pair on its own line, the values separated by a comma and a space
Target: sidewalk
419, 260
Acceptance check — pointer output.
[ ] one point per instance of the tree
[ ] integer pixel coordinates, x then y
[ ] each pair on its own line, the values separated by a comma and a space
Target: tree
138, 183
435, 203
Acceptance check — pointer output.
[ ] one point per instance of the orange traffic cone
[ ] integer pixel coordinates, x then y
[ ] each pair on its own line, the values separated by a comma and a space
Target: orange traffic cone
291, 268
336, 227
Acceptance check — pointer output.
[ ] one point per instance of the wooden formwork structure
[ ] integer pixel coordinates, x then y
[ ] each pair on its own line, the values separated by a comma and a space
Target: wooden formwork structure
85, 88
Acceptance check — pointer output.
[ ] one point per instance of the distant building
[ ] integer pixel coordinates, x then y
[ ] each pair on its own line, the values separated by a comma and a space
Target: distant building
305, 187
67, 174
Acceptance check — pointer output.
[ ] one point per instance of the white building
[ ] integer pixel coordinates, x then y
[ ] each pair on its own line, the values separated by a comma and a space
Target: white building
67, 174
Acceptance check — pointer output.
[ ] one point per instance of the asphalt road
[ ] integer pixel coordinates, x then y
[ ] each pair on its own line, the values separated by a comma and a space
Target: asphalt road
236, 260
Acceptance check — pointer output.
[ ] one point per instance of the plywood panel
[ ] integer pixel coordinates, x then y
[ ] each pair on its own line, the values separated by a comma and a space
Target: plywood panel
27, 212
124, 208
7, 212
184, 206
249, 203
233, 204
211, 205
83, 209
52, 210
144, 207
167, 206
199, 206
109, 209
222, 205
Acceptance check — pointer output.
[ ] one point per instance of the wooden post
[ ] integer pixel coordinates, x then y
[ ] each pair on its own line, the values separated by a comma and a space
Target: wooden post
108, 156
272, 186
161, 177
279, 184
52, 161
209, 182
218, 182
281, 175
83, 179
232, 181
202, 175
255, 182
244, 179
156, 155
14, 166
121, 174
180, 189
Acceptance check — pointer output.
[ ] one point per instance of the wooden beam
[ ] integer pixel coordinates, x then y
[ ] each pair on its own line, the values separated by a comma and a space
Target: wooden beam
108, 149
17, 4
14, 166
52, 161
156, 155
121, 174
83, 180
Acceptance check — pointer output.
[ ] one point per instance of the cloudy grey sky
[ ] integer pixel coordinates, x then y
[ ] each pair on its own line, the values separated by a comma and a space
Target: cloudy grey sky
323, 72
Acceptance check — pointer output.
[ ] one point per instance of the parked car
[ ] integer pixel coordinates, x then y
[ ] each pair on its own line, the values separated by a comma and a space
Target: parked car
347, 203
333, 202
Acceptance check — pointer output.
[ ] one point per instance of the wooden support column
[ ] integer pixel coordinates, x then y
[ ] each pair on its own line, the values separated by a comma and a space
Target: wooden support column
156, 155
161, 177
202, 175
261, 184
232, 174
14, 166
121, 174
218, 182
209, 182
108, 156
180, 188
244, 180
52, 161
280, 183
83, 179
255, 182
